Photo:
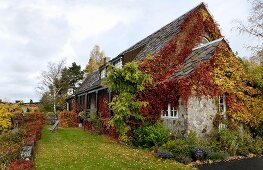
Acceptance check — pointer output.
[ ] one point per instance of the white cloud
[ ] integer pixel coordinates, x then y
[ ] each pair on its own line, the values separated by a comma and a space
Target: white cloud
33, 32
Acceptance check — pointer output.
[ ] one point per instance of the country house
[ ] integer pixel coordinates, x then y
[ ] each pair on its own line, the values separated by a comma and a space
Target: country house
184, 48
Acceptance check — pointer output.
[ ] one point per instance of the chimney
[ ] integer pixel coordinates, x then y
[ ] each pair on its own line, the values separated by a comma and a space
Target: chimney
106, 60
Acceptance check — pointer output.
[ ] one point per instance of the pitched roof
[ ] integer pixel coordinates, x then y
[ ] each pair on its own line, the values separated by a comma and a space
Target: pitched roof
198, 55
149, 45
156, 40
92, 81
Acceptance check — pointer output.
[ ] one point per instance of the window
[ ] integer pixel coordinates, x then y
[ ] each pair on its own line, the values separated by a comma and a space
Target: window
103, 73
170, 113
204, 40
118, 64
222, 110
222, 104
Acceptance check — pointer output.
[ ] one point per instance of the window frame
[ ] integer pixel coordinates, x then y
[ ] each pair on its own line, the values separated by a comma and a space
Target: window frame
118, 64
103, 73
222, 109
170, 112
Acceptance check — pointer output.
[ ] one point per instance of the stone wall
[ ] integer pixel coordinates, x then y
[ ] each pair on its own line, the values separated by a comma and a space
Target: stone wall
201, 112
177, 126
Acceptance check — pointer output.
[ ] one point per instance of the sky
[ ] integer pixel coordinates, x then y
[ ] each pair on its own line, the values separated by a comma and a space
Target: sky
35, 32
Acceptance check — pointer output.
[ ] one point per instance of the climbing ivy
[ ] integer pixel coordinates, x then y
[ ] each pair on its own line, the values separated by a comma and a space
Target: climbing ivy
223, 74
125, 82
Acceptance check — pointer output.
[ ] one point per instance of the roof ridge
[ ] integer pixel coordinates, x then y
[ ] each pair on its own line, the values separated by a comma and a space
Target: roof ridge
134, 45
211, 42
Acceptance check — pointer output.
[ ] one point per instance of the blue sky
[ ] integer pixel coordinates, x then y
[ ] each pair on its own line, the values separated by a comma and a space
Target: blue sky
34, 32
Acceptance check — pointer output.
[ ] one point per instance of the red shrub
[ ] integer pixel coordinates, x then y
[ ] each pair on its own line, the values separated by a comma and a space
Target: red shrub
68, 119
21, 165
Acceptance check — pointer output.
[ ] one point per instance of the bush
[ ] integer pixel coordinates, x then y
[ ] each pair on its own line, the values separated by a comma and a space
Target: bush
185, 159
178, 147
259, 130
9, 151
10, 145
21, 165
229, 141
6, 114
219, 155
257, 146
68, 119
211, 145
245, 144
151, 135
164, 153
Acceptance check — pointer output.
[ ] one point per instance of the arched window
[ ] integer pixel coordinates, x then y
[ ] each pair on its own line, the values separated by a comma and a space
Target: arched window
204, 40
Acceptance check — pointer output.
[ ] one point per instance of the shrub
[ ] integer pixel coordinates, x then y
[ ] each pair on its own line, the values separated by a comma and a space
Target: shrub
199, 153
185, 159
229, 141
15, 137
151, 135
211, 145
164, 153
219, 155
10, 145
257, 146
9, 151
6, 114
259, 130
245, 144
178, 147
68, 119
21, 165
93, 118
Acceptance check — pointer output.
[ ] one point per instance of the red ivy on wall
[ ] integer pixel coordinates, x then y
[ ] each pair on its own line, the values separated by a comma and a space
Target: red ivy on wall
169, 59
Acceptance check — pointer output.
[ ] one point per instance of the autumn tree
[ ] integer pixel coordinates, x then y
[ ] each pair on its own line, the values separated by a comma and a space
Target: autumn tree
254, 26
49, 81
96, 59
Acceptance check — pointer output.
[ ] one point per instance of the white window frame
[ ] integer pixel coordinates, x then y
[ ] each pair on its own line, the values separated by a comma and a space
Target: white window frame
170, 113
103, 73
222, 110
222, 104
118, 64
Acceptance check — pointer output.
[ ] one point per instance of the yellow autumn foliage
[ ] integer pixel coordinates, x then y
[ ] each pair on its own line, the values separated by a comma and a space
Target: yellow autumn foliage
229, 75
6, 114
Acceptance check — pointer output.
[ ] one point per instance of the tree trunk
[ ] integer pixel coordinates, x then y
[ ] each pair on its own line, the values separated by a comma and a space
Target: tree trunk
54, 102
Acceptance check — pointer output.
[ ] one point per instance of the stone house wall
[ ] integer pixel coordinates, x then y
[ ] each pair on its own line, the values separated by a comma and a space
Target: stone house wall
177, 126
201, 112
197, 116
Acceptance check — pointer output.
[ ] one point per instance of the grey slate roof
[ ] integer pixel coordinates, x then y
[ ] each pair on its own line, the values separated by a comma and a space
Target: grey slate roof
151, 44
199, 54
92, 81
154, 42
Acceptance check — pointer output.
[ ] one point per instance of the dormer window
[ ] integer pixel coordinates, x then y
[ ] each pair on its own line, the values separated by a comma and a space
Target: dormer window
118, 64
170, 113
103, 73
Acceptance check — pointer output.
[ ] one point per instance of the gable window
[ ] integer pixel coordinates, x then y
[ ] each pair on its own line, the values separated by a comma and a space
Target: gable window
118, 64
170, 113
204, 41
103, 73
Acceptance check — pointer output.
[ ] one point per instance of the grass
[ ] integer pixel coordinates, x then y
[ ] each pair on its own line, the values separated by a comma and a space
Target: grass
75, 149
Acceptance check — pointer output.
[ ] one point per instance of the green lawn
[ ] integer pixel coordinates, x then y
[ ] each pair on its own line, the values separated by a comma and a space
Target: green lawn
75, 149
